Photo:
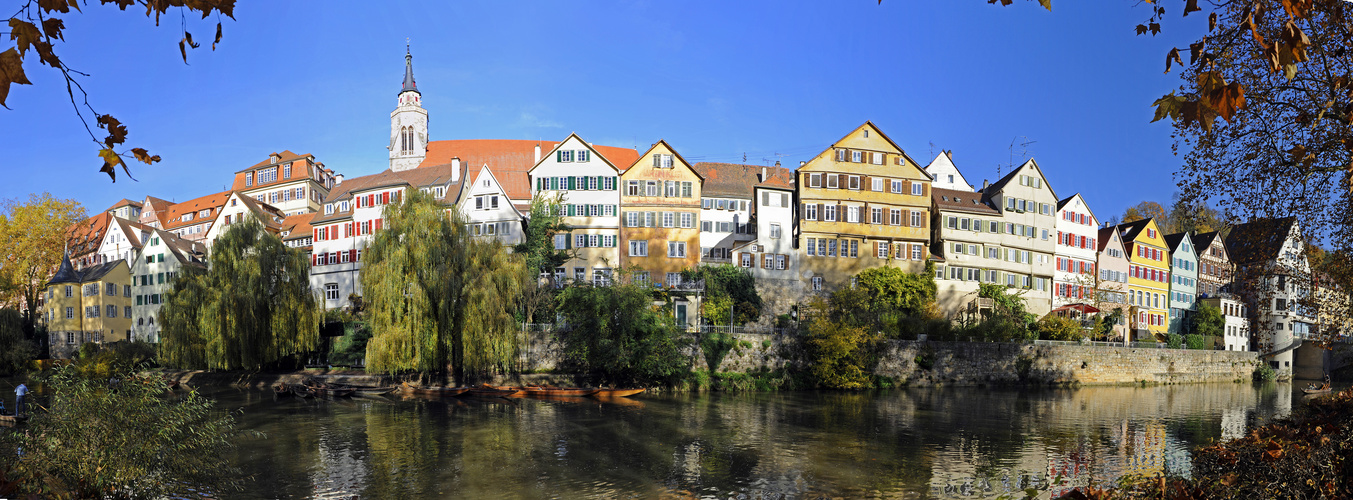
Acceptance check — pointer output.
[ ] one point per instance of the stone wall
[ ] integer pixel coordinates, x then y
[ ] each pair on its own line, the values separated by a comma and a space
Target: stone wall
976, 363
923, 363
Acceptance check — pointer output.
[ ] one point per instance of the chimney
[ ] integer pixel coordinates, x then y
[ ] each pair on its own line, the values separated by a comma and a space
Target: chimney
949, 153
455, 169
984, 185
802, 163
763, 174
537, 153
338, 179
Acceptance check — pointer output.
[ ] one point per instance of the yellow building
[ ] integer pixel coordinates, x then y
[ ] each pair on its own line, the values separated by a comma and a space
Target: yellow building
864, 203
1148, 278
660, 204
90, 305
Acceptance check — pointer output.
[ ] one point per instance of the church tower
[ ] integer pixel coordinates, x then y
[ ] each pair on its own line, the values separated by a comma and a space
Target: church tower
408, 124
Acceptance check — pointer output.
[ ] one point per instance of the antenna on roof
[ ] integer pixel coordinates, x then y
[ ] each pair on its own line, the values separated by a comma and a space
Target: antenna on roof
1023, 152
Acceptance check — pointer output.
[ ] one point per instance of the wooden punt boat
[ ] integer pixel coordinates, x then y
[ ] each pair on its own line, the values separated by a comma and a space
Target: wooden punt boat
374, 391
1317, 390
433, 391
547, 391
281, 390
301, 391
616, 393
492, 392
14, 419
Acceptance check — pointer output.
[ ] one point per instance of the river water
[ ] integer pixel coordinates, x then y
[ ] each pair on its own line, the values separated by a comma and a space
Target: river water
905, 443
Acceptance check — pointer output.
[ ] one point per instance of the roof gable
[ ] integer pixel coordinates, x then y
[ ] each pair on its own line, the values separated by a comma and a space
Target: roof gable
943, 164
866, 137
1109, 237
1137, 232
1027, 168
662, 147
1063, 203
1260, 239
574, 141
1175, 243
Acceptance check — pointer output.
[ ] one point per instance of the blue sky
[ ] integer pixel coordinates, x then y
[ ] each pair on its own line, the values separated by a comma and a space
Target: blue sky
717, 80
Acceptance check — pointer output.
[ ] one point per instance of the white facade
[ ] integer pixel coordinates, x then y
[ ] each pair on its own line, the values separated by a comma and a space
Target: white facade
774, 235
153, 271
724, 225
1028, 212
122, 240
237, 209
488, 211
1076, 253
589, 187
408, 125
946, 174
1236, 332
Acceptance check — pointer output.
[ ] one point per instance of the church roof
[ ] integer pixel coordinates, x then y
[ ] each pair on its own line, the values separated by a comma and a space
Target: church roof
409, 85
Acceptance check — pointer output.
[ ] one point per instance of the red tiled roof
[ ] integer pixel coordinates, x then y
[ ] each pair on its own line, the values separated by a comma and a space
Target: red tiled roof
964, 201
286, 157
85, 236
510, 159
122, 203
421, 177
298, 226
727, 179
211, 201
778, 178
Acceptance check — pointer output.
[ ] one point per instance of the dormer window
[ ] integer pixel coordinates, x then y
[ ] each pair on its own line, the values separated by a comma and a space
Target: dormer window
328, 209
343, 206
187, 217
204, 213
248, 179
267, 175
286, 171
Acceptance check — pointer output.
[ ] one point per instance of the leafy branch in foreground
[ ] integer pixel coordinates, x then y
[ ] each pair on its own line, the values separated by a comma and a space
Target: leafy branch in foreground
36, 27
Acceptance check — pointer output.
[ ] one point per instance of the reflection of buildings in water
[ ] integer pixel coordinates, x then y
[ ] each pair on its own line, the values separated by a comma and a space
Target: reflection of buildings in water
1142, 447
966, 468
1233, 423
340, 473
1074, 468
1282, 404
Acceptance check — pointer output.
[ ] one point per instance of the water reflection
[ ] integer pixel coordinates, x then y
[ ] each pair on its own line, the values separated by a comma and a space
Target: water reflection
915, 443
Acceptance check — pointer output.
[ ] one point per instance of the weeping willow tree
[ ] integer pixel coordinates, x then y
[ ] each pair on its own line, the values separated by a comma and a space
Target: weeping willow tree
437, 297
253, 307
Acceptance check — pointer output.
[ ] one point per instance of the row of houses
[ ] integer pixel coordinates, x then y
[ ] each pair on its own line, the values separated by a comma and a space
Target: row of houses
862, 202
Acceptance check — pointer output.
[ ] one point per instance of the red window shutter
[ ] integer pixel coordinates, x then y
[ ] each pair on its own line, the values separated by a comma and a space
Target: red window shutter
314, 234
352, 255
314, 259
378, 224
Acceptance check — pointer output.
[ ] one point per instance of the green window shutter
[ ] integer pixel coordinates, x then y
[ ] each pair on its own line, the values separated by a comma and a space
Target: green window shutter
571, 210
559, 156
572, 182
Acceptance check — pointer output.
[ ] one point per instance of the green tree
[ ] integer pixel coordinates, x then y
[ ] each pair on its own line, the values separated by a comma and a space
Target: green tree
537, 247
1147, 210
122, 439
618, 333
838, 352
437, 297
727, 286
15, 350
897, 290
35, 236
253, 307
1208, 320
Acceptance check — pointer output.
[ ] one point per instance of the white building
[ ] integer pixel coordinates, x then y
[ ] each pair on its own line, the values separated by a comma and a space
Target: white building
1076, 254
1236, 332
771, 256
236, 208
487, 209
122, 240
1027, 236
192, 219
1273, 273
946, 174
589, 187
294, 183
159, 261
726, 209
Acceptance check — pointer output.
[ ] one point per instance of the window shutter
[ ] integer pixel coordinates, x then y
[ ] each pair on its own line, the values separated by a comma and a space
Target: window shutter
314, 260
352, 256
864, 183
924, 220
378, 224
925, 189
906, 187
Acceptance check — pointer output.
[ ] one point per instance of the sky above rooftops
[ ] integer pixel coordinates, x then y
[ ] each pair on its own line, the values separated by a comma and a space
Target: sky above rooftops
720, 81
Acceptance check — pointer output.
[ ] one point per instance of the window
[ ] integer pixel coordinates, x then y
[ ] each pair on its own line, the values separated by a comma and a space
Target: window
331, 291
584, 155
881, 250
248, 179
632, 188
852, 214
768, 261
638, 248
746, 259
877, 184
70, 313
817, 283
876, 216
676, 249
686, 189
857, 156
775, 231
111, 311
110, 289
563, 156
829, 213
916, 189
897, 187
780, 262
267, 175
651, 188
832, 181
670, 189
815, 180
916, 218
854, 182
68, 290
126, 290
895, 216
687, 220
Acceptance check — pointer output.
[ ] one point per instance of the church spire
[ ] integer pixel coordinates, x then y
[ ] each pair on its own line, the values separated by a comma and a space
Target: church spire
409, 85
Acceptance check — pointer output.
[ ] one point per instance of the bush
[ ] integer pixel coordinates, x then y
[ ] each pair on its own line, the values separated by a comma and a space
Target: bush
1196, 341
1174, 341
350, 348
1053, 327
1264, 373
839, 354
715, 347
15, 351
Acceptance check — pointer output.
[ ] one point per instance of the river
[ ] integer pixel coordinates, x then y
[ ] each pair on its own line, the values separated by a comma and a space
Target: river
905, 443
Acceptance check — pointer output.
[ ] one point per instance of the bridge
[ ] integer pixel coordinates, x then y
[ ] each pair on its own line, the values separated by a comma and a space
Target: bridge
1312, 361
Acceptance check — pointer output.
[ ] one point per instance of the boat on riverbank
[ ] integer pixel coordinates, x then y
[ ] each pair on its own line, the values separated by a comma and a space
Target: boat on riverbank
374, 391
281, 390
616, 393
548, 391
488, 391
13, 419
433, 391
301, 391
